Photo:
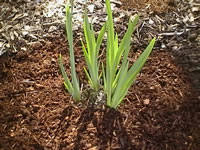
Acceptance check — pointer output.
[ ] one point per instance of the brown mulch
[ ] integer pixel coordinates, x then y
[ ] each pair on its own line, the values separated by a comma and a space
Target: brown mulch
152, 5
160, 111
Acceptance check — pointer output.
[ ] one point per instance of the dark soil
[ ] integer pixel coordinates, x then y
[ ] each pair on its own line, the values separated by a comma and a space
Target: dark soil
160, 112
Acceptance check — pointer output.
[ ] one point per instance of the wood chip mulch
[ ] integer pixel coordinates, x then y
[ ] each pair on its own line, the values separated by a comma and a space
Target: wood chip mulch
160, 111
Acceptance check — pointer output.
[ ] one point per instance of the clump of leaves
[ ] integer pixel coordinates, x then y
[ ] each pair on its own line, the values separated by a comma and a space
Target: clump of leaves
117, 78
91, 53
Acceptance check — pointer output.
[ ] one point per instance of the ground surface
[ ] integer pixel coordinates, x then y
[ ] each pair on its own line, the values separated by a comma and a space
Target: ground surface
161, 111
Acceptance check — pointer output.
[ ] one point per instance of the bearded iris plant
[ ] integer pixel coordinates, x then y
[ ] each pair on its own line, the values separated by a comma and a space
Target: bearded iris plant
117, 75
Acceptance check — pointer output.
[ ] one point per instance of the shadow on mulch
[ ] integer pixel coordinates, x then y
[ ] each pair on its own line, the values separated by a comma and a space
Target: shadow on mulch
108, 125
188, 58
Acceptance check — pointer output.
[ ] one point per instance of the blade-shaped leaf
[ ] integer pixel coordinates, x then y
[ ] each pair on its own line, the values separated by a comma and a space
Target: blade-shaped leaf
126, 39
131, 75
67, 82
100, 39
88, 76
75, 83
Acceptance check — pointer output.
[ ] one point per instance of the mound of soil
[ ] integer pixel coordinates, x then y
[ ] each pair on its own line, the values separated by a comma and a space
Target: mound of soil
160, 111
